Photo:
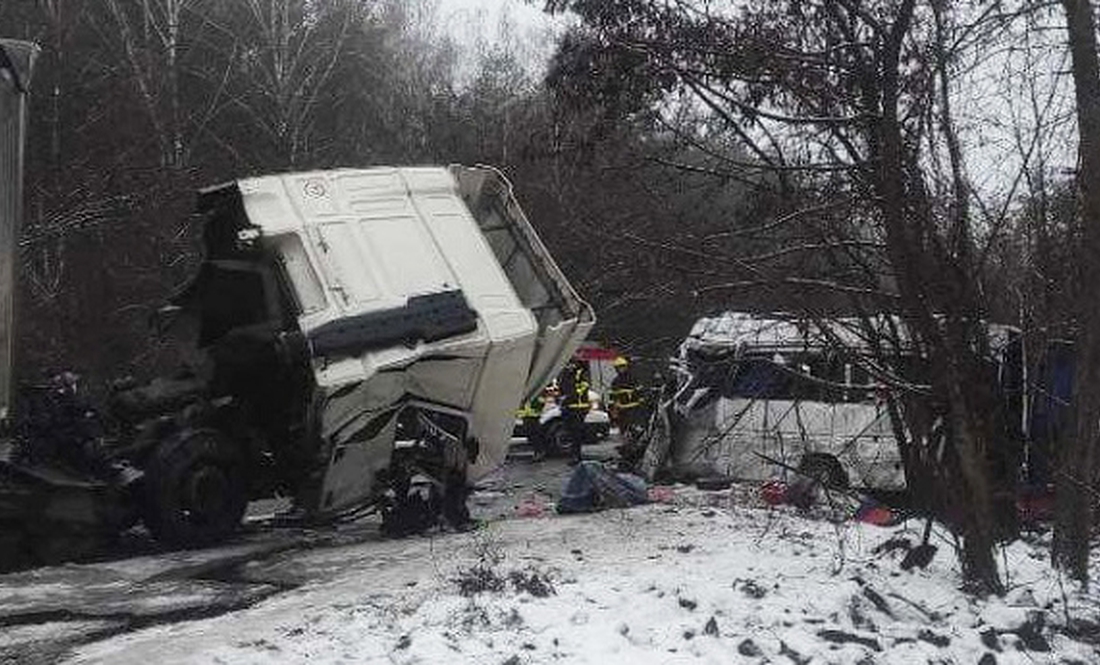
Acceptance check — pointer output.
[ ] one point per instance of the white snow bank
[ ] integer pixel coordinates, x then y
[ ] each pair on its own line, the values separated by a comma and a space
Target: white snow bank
657, 584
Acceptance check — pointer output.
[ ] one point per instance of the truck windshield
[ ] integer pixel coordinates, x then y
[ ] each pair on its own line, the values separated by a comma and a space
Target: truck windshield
226, 299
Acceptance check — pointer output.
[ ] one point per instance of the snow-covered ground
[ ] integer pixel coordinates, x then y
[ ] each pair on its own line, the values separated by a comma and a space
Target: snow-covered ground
696, 579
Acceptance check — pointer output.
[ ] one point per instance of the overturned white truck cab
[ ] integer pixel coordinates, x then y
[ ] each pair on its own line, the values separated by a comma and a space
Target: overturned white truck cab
353, 329
354, 339
348, 334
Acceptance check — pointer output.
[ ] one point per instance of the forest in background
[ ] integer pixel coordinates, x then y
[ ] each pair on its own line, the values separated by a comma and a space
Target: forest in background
136, 104
811, 156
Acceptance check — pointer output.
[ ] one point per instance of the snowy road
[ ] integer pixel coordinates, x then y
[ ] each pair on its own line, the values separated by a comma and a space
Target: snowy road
702, 577
45, 612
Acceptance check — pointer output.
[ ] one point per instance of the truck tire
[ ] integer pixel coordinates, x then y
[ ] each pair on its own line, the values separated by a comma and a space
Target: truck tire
195, 489
825, 469
555, 439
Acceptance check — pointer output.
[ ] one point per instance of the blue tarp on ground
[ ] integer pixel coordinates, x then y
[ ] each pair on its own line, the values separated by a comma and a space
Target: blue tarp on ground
593, 486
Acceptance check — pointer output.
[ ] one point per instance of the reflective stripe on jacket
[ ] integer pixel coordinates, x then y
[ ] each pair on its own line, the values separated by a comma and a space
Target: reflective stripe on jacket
625, 398
575, 392
579, 399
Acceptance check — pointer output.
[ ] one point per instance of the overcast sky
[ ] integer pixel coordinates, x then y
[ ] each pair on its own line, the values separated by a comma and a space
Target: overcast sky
521, 11
992, 98
529, 30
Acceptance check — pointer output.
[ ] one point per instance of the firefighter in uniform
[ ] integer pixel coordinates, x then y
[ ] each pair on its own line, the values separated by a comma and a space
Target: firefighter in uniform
626, 409
574, 407
530, 413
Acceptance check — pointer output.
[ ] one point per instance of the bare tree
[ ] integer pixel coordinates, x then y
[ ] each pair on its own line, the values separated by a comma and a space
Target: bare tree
150, 37
853, 100
289, 51
1076, 480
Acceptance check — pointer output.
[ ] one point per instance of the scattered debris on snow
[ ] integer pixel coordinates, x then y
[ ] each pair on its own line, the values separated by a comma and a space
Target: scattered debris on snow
698, 578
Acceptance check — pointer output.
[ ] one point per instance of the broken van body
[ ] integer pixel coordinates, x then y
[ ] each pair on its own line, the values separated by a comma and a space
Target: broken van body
756, 391
762, 396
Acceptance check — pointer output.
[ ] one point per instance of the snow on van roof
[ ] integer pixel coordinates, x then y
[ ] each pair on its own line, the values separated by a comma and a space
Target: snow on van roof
734, 332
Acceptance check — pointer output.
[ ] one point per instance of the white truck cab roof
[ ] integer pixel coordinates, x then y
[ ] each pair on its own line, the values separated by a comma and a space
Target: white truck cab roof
412, 284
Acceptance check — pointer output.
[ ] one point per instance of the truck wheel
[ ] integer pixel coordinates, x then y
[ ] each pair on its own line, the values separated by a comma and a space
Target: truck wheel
825, 469
555, 438
195, 490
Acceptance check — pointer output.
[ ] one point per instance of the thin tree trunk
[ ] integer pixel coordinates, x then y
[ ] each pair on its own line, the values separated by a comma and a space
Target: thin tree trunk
1076, 480
173, 10
953, 370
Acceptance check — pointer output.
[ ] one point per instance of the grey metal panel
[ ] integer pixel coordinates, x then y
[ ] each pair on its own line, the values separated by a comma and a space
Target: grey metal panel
16, 63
